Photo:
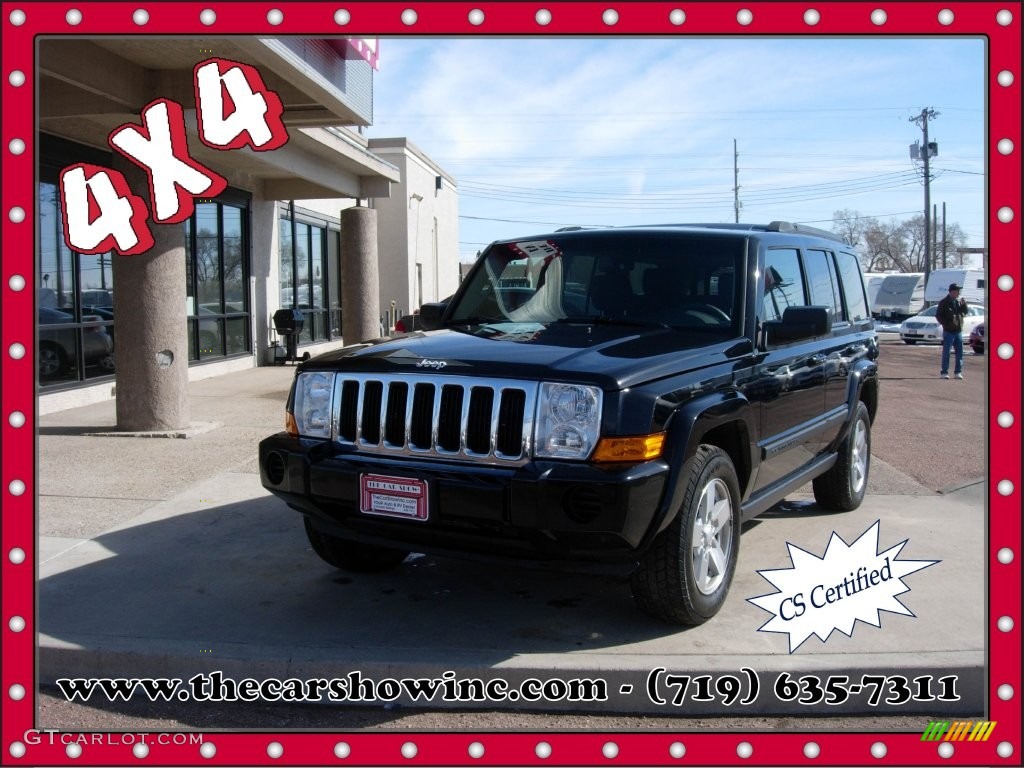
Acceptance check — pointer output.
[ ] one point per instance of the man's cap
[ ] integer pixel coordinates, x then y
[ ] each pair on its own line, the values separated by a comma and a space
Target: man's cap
954, 287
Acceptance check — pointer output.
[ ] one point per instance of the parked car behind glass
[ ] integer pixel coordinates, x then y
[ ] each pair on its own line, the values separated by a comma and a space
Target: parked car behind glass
58, 349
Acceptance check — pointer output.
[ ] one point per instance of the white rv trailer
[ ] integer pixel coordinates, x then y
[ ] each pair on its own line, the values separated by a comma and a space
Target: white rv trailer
872, 282
899, 296
971, 280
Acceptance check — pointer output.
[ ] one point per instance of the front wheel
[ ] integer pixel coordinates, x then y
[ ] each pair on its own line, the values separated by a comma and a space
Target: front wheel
842, 488
350, 555
685, 575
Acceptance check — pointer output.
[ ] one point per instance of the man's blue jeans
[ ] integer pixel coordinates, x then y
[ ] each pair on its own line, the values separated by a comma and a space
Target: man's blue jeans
956, 341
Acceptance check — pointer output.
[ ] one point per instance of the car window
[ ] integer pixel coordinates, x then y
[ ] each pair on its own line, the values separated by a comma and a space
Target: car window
783, 283
821, 280
853, 286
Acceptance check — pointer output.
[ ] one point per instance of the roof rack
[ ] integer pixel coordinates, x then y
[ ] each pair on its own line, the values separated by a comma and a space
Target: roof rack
788, 226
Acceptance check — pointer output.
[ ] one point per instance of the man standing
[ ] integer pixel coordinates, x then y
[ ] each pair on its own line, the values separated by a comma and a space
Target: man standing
950, 315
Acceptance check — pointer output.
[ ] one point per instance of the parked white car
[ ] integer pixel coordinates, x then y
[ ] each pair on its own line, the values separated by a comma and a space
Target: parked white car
925, 328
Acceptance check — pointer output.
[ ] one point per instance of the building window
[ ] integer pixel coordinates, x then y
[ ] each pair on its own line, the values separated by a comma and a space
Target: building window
310, 273
217, 277
75, 303
75, 296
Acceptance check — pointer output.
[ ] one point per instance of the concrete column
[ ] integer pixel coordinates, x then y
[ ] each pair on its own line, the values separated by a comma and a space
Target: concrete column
360, 280
265, 269
151, 345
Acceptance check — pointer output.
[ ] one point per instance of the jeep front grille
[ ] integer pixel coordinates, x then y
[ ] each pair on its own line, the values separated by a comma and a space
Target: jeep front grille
483, 420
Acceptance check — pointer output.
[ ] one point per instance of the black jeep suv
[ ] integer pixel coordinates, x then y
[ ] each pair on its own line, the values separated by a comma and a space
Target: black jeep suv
624, 396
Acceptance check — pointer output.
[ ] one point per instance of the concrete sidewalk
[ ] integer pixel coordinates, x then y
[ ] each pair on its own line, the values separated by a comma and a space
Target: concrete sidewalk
166, 558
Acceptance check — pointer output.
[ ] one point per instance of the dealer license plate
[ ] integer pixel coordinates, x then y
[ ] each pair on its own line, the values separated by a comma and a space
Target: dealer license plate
393, 496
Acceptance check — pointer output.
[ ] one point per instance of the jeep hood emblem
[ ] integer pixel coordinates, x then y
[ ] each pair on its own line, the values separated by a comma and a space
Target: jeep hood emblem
437, 365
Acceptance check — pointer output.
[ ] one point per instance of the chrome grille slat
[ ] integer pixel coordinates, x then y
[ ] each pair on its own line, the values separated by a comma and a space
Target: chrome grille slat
460, 416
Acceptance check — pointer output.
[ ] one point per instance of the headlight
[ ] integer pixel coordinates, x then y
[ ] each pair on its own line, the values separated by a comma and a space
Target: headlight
314, 393
568, 420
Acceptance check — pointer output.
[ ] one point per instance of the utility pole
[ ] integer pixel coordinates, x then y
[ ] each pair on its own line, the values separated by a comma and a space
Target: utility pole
943, 235
922, 120
736, 179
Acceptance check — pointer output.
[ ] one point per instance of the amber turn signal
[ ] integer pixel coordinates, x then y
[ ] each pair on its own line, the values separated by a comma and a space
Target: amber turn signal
641, 448
289, 424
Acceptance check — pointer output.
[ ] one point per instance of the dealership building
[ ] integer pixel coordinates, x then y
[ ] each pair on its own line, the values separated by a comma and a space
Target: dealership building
351, 232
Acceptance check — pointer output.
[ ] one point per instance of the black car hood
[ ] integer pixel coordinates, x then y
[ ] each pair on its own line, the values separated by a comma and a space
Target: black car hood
610, 356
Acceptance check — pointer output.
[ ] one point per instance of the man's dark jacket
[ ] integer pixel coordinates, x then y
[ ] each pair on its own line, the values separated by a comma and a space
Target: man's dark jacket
950, 314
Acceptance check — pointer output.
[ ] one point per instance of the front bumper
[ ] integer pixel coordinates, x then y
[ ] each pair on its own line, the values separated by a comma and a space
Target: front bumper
538, 511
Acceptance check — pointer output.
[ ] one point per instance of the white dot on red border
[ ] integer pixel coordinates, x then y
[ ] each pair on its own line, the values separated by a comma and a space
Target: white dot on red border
409, 17
1005, 692
16, 351
811, 17
16, 624
208, 749
141, 17
476, 750
16, 419
16, 692
141, 750
946, 750
610, 750
275, 16
610, 17
17, 556
1005, 556
409, 750
879, 750
744, 16
73, 17
342, 750
1005, 283
543, 750
744, 749
1005, 351
1004, 147
476, 17
543, 17
342, 17
1005, 214
16, 78
17, 487
1005, 624
677, 16
677, 750
274, 750
1005, 487
16, 214
16, 146
1005, 749
811, 750
1005, 78
879, 17
16, 283
17, 749
1005, 419
17, 17
208, 17
946, 17
1004, 18
74, 751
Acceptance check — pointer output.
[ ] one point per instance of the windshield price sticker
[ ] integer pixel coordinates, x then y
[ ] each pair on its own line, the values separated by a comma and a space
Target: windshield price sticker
393, 496
665, 688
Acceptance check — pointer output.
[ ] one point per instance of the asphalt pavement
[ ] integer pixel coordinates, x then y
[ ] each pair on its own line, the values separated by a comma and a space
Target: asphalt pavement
166, 558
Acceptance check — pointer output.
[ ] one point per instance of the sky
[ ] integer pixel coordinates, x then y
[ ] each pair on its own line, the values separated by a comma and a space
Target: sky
547, 132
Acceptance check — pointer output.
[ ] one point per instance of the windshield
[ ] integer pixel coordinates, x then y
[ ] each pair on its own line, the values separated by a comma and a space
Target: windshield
673, 280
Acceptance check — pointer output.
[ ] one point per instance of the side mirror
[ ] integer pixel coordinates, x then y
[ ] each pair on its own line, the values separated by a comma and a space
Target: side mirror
431, 314
798, 323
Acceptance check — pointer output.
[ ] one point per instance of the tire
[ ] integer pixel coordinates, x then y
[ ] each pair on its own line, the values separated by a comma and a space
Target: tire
910, 341
51, 361
685, 576
350, 555
842, 488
